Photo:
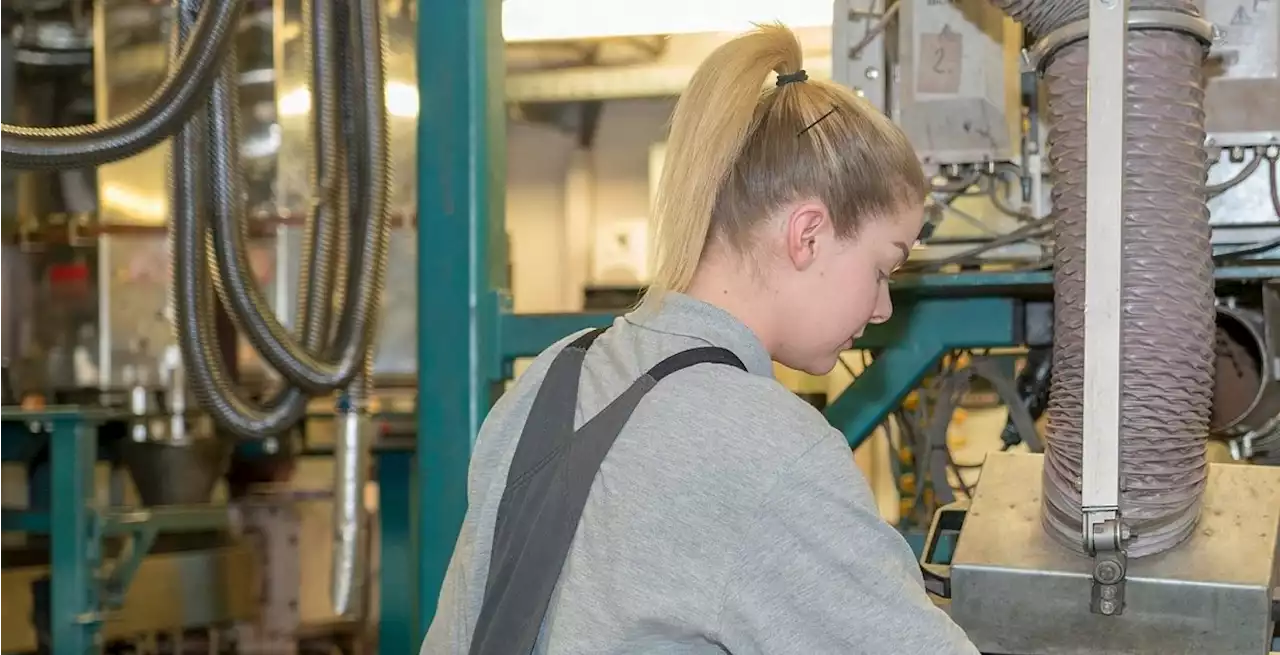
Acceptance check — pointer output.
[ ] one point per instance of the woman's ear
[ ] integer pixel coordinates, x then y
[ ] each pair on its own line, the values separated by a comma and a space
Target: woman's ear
806, 224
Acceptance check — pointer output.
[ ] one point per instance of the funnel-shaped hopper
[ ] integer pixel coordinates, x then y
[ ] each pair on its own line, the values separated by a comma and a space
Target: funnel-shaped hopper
181, 473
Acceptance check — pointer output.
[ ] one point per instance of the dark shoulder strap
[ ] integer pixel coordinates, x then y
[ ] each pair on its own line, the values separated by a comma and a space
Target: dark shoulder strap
693, 357
553, 408
547, 486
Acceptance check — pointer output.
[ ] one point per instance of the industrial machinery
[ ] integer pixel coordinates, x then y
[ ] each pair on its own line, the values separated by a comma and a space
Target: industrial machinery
1122, 537
1016, 145
132, 370
1003, 132
1132, 559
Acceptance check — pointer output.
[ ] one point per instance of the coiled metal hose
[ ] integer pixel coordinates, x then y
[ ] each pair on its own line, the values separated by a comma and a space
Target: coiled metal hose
352, 163
365, 168
358, 319
1168, 322
173, 103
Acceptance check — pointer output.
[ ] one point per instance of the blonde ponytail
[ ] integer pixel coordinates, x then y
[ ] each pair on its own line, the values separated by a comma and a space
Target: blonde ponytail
737, 150
708, 128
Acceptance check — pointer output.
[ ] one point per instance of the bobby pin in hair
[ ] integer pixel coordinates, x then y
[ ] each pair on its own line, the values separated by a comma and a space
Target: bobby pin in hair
820, 119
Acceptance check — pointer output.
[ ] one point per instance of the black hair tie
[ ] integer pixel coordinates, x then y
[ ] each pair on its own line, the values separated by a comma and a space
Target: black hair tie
787, 78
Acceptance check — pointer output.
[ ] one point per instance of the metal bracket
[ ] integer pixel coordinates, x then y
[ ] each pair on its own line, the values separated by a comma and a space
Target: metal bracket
115, 584
1105, 537
1107, 595
140, 528
1109, 23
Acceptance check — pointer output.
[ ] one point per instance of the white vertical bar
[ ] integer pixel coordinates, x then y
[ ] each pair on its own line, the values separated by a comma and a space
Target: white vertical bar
1103, 250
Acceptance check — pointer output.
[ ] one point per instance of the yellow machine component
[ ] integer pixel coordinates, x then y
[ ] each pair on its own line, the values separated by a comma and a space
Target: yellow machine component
173, 590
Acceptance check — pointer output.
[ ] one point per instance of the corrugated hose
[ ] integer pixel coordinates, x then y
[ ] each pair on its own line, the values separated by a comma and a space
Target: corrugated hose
1167, 281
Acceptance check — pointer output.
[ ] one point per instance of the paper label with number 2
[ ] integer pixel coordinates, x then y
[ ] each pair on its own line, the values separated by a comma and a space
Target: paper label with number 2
939, 65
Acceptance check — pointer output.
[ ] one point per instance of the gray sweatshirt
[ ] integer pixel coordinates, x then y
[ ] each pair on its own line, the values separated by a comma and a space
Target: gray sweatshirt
728, 517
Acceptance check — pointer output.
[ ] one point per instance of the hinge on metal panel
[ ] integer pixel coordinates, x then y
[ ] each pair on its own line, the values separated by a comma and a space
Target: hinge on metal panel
1104, 537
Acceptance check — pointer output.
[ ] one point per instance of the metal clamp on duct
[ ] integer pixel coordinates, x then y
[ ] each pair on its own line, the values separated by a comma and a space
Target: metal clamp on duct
1038, 56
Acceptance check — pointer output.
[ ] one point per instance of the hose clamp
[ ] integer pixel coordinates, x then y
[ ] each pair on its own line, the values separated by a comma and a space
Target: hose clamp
1037, 57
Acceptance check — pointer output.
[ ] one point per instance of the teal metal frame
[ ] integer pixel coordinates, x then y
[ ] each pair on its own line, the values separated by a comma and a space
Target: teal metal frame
60, 447
398, 584
468, 336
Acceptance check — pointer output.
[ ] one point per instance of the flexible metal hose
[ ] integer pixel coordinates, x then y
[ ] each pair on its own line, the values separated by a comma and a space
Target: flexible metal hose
366, 142
229, 225
327, 212
1167, 326
335, 368
192, 289
159, 117
366, 177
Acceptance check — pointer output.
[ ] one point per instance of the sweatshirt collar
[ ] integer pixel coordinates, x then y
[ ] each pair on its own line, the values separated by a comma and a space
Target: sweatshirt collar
684, 315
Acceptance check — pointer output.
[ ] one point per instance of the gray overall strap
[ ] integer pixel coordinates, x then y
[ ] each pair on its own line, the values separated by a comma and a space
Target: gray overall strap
547, 487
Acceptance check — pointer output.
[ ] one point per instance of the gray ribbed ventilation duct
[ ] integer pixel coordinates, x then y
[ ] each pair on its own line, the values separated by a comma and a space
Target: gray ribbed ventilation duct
1167, 326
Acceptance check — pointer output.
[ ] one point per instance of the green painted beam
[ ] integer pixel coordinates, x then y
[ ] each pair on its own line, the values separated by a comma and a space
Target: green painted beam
526, 335
461, 261
910, 344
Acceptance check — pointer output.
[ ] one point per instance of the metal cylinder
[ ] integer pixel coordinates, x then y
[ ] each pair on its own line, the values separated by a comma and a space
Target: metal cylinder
354, 435
1246, 387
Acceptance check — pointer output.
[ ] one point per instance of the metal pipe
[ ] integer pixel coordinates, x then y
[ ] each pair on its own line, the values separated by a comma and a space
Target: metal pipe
355, 434
1246, 394
159, 117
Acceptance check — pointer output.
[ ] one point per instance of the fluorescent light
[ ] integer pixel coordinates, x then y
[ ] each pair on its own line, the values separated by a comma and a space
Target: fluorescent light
546, 20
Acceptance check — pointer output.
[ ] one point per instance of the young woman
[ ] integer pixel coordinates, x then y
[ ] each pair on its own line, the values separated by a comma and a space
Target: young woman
651, 488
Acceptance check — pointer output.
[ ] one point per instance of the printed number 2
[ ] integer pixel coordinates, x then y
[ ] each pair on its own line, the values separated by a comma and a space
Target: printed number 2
938, 56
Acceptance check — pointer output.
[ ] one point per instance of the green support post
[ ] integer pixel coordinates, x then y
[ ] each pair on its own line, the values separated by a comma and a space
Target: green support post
75, 547
461, 264
399, 559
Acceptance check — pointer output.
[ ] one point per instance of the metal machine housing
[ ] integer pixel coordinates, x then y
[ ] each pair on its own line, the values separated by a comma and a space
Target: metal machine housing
958, 81
858, 60
1243, 72
1016, 591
